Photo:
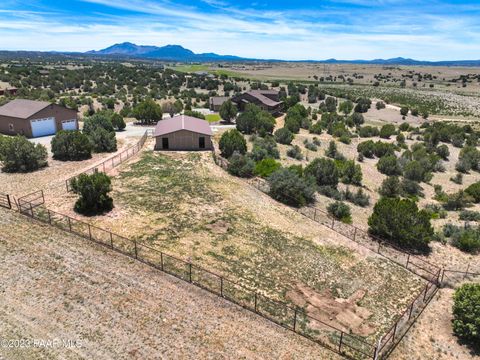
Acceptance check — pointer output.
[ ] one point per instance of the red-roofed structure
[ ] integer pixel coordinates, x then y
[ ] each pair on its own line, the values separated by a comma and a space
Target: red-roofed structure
183, 133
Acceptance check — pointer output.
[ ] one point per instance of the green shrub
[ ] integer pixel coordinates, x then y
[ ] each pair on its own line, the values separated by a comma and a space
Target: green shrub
232, 141
387, 130
390, 187
457, 179
359, 198
410, 188
474, 191
414, 171
400, 222
388, 165
71, 145
468, 240
118, 122
316, 128
266, 167
340, 211
148, 112
265, 148
93, 190
443, 152
101, 119
241, 166
324, 171
102, 140
255, 120
284, 136
350, 172
368, 131
457, 201
17, 154
469, 215
195, 114
466, 314
295, 152
311, 146
289, 188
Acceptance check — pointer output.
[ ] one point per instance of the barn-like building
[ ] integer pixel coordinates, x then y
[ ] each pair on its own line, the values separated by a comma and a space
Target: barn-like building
35, 118
183, 133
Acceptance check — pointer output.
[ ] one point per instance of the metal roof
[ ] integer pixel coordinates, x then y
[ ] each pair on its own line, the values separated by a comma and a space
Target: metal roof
182, 122
22, 109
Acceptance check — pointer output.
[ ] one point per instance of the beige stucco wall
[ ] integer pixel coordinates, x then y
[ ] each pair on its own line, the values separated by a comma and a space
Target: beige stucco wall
183, 140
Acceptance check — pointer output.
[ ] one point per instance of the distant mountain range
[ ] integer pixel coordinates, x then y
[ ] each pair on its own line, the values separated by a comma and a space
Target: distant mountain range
168, 52
179, 53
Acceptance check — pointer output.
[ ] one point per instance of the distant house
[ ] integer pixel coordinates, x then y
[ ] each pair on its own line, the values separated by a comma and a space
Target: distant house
35, 118
268, 100
183, 133
216, 102
9, 91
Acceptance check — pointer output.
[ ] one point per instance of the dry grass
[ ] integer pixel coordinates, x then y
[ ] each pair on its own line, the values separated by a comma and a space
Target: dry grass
58, 286
185, 205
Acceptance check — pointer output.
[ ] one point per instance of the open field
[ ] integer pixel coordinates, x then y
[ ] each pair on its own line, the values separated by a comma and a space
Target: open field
184, 204
59, 286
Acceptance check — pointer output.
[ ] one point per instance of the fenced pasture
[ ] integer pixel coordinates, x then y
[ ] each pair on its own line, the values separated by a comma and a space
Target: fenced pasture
292, 318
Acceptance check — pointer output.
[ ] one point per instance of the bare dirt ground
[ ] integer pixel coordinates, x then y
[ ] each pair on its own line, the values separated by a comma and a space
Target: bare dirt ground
432, 338
52, 178
58, 286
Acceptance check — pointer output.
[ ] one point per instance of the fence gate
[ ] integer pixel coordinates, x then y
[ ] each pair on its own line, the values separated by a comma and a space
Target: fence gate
5, 201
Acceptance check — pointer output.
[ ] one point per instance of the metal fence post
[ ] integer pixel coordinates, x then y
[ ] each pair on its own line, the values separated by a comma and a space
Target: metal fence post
221, 286
341, 342
255, 302
161, 261
408, 261
136, 251
355, 235
411, 310
9, 202
89, 232
111, 239
295, 320
49, 217
190, 272
69, 224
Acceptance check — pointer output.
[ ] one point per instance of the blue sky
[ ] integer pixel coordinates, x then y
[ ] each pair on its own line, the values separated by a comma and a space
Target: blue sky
308, 29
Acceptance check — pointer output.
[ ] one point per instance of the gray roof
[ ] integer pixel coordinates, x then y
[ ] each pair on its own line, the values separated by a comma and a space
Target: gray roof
182, 122
22, 109
265, 100
218, 100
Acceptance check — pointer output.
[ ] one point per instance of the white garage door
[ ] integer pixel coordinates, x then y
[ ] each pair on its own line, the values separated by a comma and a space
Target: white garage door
69, 124
43, 127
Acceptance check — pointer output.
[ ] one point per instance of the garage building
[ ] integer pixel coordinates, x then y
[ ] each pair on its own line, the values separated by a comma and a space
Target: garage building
35, 118
183, 133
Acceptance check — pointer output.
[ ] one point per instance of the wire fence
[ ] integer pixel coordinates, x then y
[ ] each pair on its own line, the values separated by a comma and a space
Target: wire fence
114, 161
411, 262
5, 201
30, 201
405, 321
283, 314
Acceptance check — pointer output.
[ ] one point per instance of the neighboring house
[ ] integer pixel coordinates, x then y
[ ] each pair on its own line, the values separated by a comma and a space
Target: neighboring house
183, 133
216, 102
35, 118
268, 100
9, 91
